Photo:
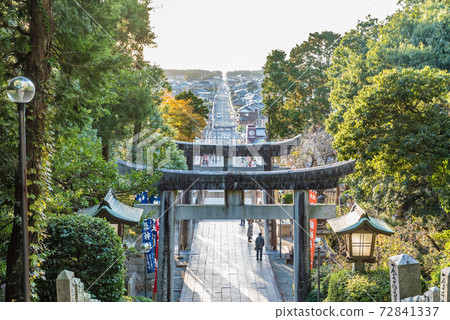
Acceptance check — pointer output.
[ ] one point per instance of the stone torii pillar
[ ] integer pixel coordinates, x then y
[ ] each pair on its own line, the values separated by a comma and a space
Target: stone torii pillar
302, 252
270, 225
164, 282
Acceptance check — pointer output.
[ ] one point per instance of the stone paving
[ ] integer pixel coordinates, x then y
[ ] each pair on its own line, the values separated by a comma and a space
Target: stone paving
223, 267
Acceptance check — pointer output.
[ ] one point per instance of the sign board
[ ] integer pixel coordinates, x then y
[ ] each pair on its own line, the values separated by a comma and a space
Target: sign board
251, 133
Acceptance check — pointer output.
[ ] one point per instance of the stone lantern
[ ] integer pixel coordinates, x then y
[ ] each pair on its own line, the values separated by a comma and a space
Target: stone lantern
360, 232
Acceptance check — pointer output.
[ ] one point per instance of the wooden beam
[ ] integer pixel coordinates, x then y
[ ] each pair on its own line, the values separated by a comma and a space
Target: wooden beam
323, 177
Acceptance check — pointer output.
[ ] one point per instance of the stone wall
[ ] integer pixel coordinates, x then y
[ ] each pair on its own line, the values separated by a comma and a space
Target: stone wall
406, 284
71, 289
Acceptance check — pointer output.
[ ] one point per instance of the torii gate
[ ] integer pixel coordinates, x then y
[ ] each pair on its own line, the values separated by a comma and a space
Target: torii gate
234, 184
266, 150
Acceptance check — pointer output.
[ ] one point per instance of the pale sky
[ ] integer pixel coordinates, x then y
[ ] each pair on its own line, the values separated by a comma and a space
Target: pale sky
239, 34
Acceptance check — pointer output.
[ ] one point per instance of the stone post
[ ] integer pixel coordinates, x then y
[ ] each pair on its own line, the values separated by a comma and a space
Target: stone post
405, 277
132, 285
164, 282
302, 252
79, 289
432, 295
186, 225
65, 289
445, 289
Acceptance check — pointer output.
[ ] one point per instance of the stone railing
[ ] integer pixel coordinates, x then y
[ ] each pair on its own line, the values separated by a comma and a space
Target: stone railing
406, 285
71, 289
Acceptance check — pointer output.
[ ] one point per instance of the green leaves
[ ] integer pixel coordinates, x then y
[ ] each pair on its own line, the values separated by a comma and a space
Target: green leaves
346, 286
398, 126
390, 108
197, 103
91, 249
295, 90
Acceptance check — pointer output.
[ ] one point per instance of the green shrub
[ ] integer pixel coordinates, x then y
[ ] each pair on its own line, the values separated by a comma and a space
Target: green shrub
91, 249
136, 299
288, 198
324, 283
345, 286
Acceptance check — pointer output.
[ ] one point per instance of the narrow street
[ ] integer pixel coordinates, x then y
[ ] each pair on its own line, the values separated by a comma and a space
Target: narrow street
222, 123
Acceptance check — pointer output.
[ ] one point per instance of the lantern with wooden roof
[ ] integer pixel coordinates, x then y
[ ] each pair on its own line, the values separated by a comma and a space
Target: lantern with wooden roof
360, 232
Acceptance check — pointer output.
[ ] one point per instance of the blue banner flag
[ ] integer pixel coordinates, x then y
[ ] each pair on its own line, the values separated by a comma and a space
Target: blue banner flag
142, 197
147, 237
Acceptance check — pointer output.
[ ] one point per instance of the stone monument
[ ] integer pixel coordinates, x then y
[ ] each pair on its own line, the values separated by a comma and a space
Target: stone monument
404, 272
445, 289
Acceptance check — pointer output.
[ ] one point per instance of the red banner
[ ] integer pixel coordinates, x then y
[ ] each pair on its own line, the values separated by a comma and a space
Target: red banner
312, 237
312, 197
156, 253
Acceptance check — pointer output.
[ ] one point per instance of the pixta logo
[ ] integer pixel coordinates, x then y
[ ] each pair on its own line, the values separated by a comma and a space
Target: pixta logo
146, 150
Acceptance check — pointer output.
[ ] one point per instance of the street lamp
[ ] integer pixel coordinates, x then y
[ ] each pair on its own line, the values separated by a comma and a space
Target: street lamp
318, 242
360, 232
21, 91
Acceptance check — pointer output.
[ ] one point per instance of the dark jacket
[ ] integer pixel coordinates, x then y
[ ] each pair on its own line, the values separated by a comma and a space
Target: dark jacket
259, 242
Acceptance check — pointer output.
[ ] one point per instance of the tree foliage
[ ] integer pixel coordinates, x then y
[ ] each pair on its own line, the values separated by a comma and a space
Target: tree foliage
181, 116
82, 177
197, 103
275, 85
404, 150
137, 95
295, 90
85, 58
91, 249
400, 134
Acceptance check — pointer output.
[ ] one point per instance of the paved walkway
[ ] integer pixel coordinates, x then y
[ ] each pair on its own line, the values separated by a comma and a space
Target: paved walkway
223, 267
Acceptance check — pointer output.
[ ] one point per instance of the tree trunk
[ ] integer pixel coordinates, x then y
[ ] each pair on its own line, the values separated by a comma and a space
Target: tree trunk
38, 69
105, 150
137, 154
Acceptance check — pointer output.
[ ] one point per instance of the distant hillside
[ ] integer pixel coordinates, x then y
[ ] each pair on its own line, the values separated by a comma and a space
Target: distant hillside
190, 75
246, 73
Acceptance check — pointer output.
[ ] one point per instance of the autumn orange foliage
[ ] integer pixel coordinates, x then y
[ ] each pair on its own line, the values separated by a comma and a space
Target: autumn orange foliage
181, 116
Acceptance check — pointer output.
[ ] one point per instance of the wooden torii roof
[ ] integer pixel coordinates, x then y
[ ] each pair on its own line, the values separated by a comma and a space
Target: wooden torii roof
269, 149
322, 177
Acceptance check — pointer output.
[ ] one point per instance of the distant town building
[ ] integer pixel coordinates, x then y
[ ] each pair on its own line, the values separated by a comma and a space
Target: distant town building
255, 134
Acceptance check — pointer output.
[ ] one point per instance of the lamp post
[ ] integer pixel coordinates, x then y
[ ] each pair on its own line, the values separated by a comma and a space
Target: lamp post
318, 242
21, 91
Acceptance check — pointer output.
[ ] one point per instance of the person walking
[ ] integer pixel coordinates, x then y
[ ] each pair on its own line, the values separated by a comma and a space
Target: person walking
250, 230
259, 245
242, 224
